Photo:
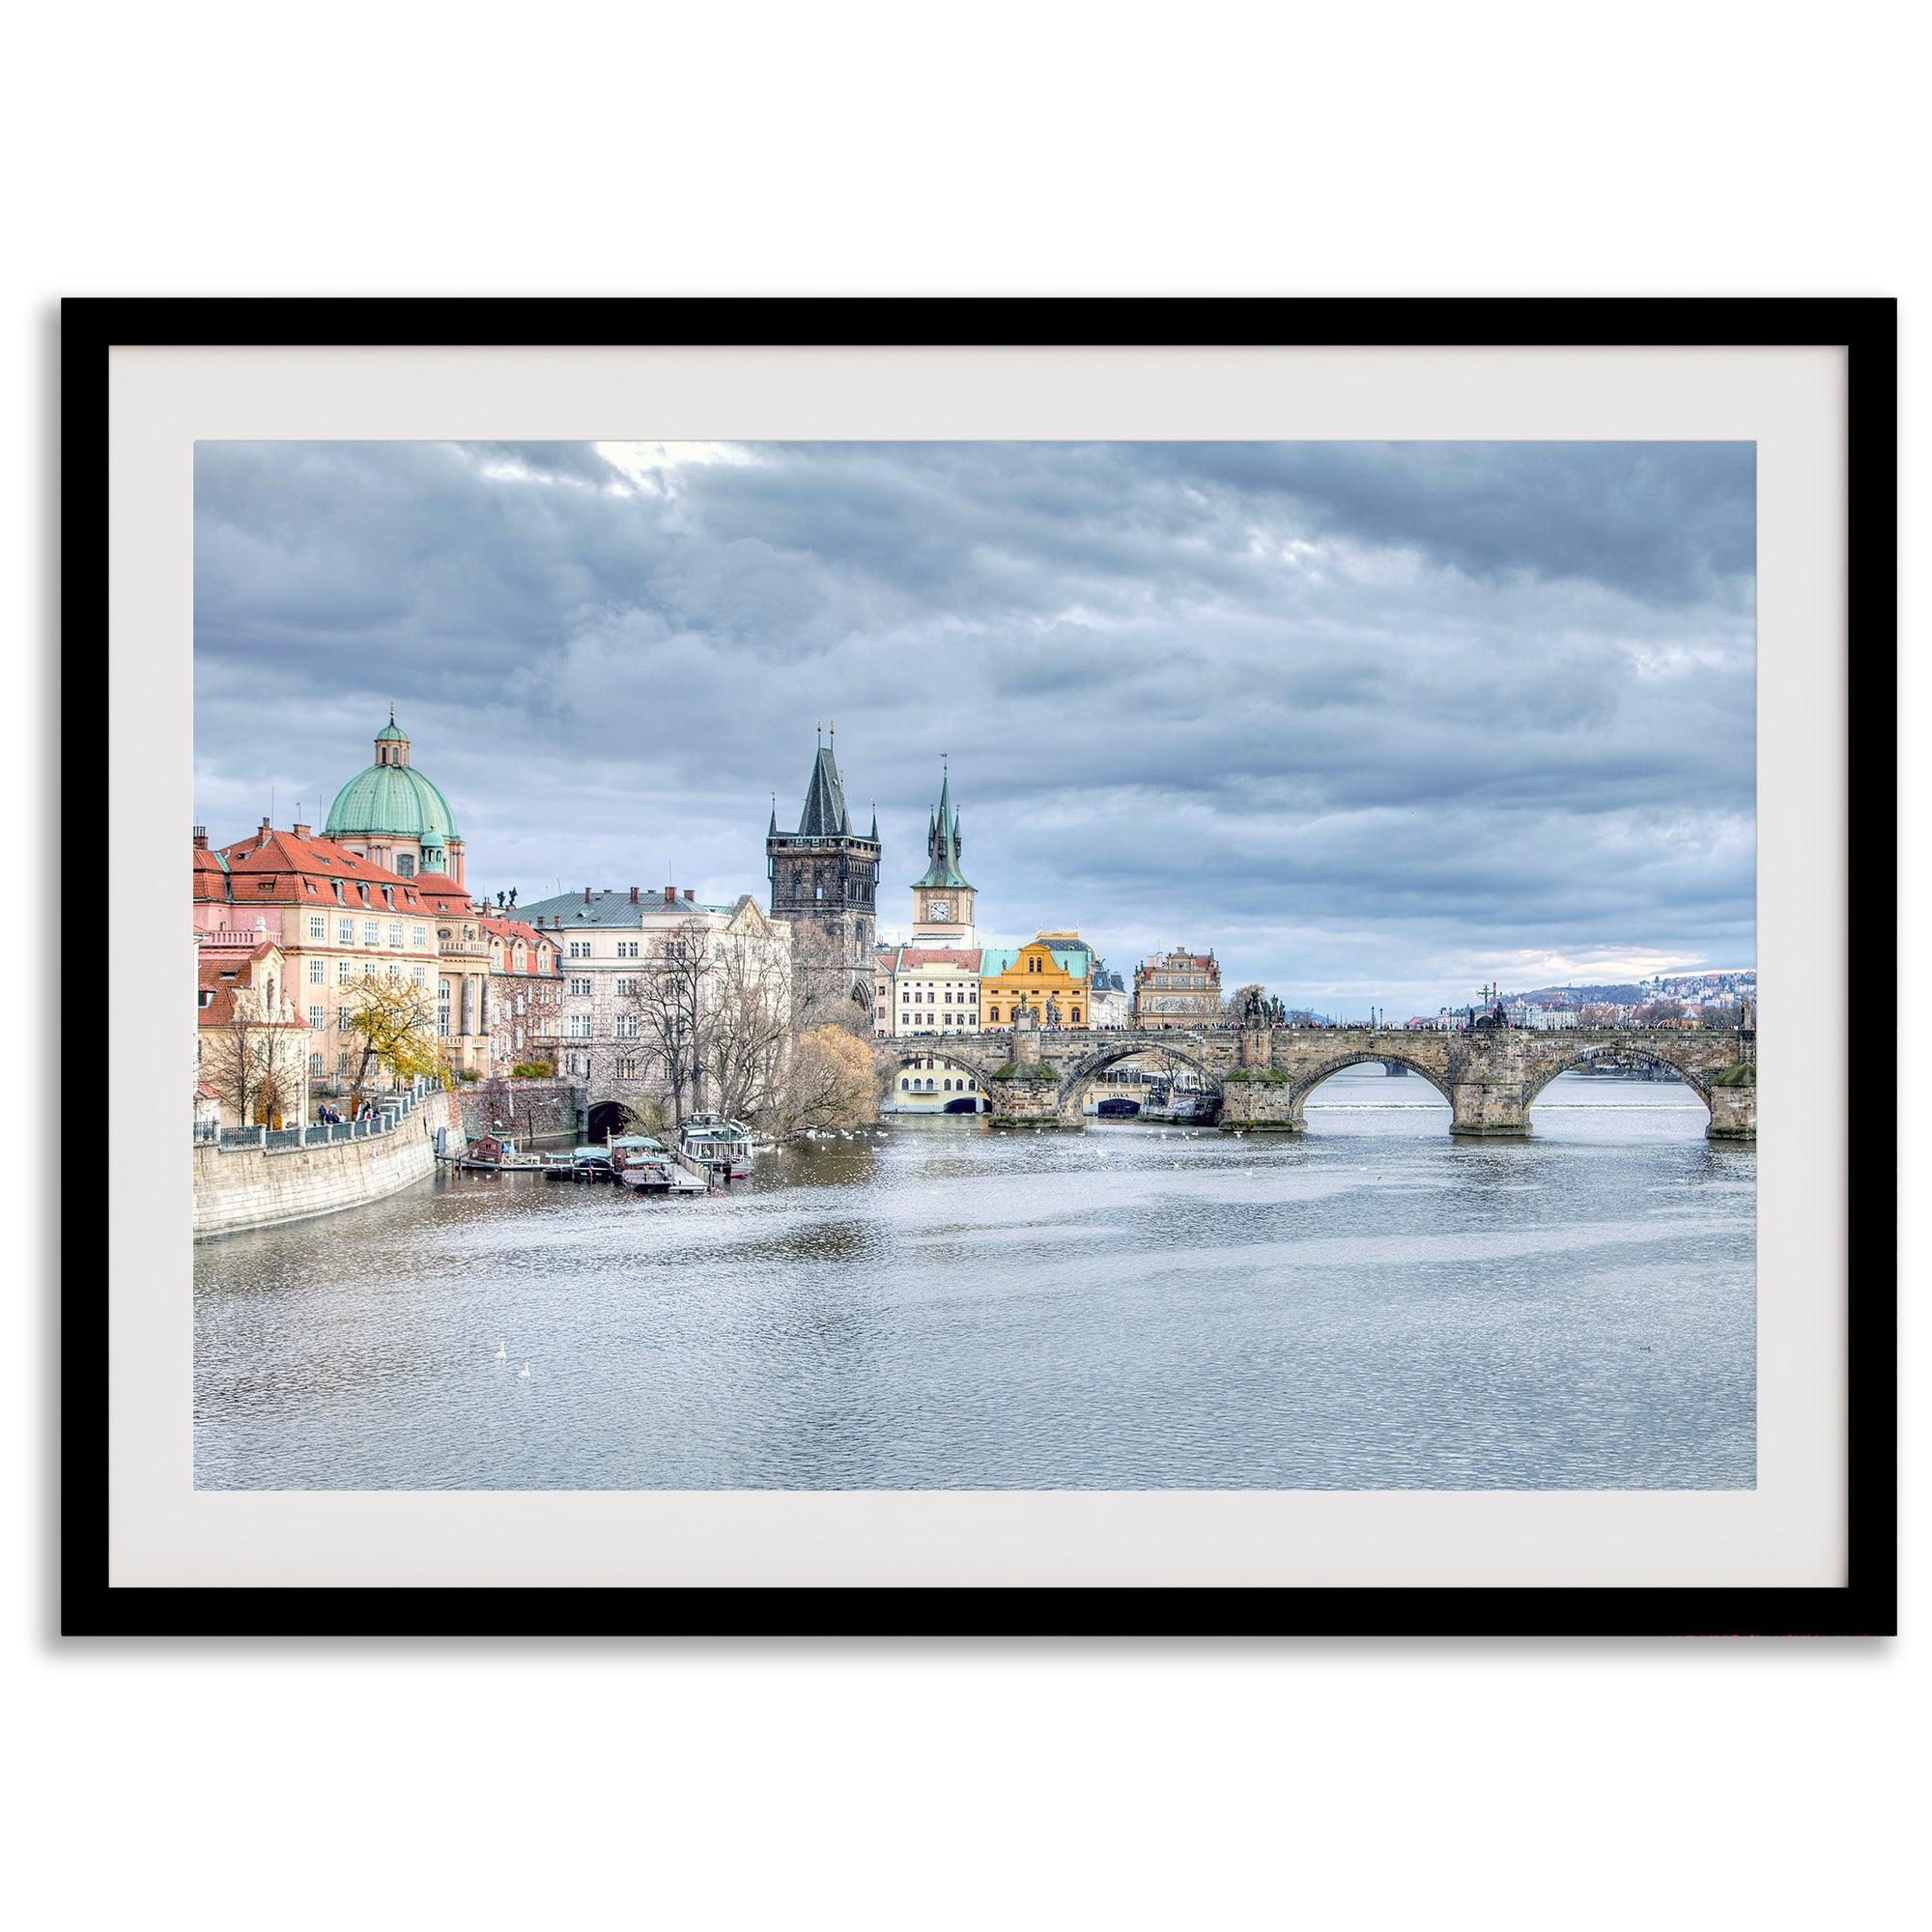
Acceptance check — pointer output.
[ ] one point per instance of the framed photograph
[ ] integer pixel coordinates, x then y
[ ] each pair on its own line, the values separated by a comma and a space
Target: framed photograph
978, 967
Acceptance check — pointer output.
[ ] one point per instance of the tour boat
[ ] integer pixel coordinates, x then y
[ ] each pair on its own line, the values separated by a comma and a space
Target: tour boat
722, 1147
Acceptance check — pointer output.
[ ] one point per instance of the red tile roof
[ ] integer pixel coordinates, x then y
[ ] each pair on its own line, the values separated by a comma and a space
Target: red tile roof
277, 869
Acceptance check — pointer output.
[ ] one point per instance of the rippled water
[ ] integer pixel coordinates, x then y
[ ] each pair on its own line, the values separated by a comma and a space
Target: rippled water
938, 1305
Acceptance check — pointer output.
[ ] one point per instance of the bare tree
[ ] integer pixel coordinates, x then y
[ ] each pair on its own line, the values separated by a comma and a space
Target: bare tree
674, 1015
750, 1023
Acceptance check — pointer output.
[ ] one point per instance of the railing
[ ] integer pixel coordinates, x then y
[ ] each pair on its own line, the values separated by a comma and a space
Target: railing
391, 1111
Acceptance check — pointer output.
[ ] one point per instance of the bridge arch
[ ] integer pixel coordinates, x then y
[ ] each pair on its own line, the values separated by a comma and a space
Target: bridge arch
1305, 1082
607, 1117
1079, 1078
1560, 1062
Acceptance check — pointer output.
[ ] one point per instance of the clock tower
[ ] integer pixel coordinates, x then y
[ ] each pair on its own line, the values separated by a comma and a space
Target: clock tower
942, 900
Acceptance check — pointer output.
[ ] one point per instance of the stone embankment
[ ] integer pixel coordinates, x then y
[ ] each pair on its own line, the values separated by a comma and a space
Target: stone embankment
237, 1187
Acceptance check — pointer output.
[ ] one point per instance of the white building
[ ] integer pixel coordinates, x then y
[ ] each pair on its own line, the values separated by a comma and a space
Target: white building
925, 989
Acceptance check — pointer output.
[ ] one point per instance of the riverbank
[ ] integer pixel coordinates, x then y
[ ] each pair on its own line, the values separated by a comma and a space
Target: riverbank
241, 1188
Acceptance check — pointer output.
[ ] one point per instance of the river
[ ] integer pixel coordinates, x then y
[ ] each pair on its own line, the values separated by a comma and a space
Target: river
937, 1304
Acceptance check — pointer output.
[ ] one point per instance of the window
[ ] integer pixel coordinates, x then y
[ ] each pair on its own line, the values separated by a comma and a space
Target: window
627, 986
395, 971
342, 972
317, 1019
317, 972
581, 988
389, 899
442, 1021
1076, 1015
372, 934
580, 1026
420, 935
315, 1067
420, 974
317, 926
627, 1069
405, 864
627, 948
627, 1026
345, 931
579, 949
904, 1083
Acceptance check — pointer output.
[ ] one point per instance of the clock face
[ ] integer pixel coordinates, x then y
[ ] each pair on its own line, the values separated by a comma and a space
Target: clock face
939, 908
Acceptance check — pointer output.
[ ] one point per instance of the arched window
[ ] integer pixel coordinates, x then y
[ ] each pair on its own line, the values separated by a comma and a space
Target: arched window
929, 1086
946, 1086
1076, 1015
904, 1083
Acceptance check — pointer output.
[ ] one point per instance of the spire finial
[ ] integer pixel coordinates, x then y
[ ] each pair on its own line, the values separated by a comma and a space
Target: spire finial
833, 730
818, 725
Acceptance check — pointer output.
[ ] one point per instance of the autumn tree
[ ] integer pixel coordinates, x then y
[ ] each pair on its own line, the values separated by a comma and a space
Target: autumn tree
828, 1081
396, 1024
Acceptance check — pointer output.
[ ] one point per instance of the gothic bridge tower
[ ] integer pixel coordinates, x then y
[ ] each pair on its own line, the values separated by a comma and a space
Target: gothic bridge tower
825, 878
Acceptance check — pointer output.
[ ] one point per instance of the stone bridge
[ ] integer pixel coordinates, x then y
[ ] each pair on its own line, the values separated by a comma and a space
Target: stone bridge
1490, 1078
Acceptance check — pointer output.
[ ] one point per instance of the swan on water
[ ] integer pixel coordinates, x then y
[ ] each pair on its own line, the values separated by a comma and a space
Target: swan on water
523, 1373
501, 1356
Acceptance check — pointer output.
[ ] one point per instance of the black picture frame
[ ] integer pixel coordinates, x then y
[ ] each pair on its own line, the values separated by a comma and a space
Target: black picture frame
1865, 327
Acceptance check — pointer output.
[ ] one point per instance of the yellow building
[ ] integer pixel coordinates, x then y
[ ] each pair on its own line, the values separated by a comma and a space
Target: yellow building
1048, 979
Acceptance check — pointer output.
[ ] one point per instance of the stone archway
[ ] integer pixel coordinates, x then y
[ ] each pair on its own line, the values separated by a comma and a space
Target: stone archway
608, 1117
1078, 1079
1307, 1081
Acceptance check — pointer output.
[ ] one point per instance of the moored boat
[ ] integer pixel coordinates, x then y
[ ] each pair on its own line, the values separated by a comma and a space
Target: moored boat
492, 1153
584, 1163
722, 1147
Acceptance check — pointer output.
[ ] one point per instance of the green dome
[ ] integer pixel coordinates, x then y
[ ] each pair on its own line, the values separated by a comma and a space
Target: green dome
393, 800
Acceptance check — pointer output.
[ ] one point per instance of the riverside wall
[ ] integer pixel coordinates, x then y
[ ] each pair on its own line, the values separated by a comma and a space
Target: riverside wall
255, 1187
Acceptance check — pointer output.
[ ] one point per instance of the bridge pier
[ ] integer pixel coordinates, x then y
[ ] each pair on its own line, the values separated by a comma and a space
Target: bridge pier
1733, 1114
1479, 1110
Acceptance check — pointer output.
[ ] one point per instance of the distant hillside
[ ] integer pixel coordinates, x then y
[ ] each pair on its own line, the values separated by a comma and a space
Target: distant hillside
1622, 995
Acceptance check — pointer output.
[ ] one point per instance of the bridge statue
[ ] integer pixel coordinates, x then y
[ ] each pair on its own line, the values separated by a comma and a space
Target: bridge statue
1489, 1075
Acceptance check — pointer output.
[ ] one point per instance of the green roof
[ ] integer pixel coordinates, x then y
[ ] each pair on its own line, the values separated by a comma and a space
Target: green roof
942, 843
395, 799
392, 733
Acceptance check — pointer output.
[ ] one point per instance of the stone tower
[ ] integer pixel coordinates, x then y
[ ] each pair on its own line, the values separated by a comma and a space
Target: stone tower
825, 879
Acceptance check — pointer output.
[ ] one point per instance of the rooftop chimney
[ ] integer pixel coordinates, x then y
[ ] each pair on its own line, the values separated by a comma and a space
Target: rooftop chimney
586, 896
201, 838
687, 892
300, 830
671, 896
633, 894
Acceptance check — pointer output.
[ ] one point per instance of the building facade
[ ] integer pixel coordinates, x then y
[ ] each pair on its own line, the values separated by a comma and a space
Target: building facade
1178, 989
337, 916
609, 943
1109, 1004
251, 1044
825, 882
525, 994
926, 989
1046, 979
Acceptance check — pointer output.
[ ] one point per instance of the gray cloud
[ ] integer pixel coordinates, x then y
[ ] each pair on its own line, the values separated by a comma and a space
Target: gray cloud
1378, 720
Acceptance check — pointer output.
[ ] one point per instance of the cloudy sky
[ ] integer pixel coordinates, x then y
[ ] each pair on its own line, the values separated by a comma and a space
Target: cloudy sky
1376, 722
